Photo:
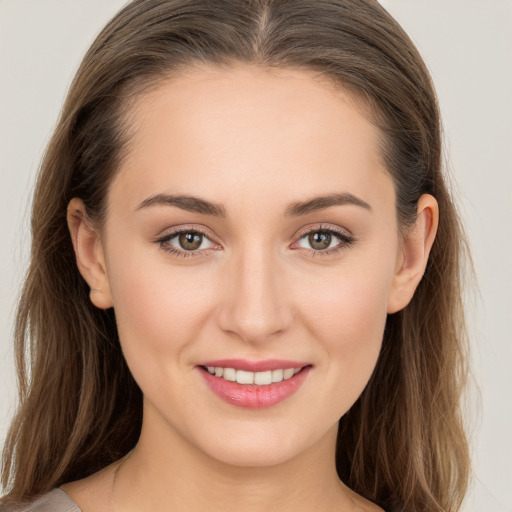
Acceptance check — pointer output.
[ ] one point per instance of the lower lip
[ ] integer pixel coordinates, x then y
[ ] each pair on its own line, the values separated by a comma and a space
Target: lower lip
252, 396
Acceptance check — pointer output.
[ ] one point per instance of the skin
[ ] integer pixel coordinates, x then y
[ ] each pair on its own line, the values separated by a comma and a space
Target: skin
254, 141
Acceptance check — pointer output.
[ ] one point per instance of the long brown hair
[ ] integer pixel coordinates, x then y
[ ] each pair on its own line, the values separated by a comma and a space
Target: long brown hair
402, 445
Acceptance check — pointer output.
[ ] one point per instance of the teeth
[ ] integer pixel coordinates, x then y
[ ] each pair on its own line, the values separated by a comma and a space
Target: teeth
263, 378
288, 373
229, 374
257, 378
277, 375
244, 377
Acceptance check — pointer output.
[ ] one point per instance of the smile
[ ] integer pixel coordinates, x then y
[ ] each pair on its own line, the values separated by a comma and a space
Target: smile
254, 385
256, 378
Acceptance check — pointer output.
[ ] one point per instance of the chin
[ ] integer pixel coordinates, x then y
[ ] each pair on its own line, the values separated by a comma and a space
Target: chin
260, 445
255, 454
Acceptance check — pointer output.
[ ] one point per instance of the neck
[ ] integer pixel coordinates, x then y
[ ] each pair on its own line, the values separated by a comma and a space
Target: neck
165, 472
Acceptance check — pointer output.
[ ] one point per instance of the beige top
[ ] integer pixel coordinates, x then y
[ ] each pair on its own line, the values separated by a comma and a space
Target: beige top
54, 501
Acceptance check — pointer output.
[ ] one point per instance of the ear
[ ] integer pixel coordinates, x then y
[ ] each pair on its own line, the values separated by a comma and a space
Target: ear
89, 254
416, 244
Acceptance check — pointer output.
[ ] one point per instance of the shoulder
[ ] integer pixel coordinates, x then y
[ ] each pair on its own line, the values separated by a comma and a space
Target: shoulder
54, 501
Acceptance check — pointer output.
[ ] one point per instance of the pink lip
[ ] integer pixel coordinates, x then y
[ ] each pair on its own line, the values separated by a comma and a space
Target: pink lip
255, 366
252, 396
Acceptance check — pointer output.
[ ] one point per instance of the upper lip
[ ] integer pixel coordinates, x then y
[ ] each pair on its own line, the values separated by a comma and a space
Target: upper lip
255, 366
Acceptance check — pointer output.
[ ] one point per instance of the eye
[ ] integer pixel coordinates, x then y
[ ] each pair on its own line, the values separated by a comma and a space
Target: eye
186, 242
324, 240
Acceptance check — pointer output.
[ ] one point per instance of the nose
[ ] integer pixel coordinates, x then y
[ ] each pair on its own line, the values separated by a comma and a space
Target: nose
255, 306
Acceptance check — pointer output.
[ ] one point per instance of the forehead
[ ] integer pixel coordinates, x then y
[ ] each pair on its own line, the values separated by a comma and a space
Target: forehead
248, 130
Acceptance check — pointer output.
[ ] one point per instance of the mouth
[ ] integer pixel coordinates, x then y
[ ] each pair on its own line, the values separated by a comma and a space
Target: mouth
264, 378
254, 385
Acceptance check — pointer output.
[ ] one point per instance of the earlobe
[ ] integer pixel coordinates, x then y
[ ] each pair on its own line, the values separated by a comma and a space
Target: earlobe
90, 258
416, 246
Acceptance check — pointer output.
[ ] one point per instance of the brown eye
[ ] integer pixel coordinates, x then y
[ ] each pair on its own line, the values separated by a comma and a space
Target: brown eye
187, 242
319, 240
325, 241
190, 240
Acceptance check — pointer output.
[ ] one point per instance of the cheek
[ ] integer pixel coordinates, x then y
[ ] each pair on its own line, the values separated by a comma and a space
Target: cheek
350, 318
347, 317
349, 302
159, 307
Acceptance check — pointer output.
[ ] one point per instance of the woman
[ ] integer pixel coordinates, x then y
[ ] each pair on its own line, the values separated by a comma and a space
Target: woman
241, 234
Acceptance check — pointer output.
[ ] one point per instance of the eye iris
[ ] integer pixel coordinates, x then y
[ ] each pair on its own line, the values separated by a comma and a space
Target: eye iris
320, 240
190, 241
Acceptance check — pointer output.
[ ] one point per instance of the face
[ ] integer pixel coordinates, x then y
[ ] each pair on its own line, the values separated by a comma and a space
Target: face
252, 226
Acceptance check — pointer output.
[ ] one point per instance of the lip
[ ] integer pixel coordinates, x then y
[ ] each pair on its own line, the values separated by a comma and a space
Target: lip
255, 366
251, 396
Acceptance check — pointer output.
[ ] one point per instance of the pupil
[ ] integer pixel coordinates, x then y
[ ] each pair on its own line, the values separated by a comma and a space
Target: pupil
320, 240
190, 241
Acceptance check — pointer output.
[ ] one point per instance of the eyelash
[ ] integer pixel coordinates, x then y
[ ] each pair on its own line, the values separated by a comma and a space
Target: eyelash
345, 241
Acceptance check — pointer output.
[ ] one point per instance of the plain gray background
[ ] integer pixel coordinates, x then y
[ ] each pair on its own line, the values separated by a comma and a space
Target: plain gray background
467, 45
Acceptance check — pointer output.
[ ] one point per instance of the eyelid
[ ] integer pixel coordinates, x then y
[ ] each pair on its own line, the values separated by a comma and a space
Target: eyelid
323, 227
346, 238
171, 233
173, 230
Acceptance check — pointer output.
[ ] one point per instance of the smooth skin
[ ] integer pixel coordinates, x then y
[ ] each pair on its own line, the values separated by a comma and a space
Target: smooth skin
256, 286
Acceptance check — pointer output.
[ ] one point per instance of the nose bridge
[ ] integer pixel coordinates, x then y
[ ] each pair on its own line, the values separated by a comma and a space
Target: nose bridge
256, 306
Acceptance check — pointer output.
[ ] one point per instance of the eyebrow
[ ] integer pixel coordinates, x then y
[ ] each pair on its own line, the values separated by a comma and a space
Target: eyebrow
188, 203
295, 209
323, 202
